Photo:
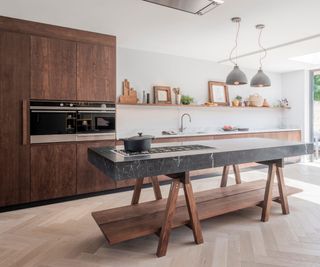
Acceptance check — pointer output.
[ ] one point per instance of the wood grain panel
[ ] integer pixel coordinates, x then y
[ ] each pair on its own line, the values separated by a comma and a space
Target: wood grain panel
14, 89
89, 178
53, 69
96, 72
46, 30
53, 171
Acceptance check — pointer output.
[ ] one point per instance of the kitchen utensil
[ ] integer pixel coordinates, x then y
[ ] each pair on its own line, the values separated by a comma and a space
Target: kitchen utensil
243, 129
138, 143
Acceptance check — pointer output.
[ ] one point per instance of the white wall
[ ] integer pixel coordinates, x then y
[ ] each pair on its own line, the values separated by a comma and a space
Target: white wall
146, 69
296, 88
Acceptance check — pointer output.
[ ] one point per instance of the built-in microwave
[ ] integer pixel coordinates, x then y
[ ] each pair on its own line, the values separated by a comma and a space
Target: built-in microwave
55, 121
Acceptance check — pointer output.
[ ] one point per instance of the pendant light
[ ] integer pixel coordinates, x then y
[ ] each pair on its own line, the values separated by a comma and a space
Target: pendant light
260, 79
236, 76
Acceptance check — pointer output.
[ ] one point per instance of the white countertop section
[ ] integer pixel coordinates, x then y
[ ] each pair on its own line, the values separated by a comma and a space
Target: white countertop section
187, 133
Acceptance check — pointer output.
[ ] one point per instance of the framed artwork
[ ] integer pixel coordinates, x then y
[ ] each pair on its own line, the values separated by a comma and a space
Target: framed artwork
218, 93
162, 94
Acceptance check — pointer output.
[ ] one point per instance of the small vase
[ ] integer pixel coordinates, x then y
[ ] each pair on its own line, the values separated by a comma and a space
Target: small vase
178, 99
235, 103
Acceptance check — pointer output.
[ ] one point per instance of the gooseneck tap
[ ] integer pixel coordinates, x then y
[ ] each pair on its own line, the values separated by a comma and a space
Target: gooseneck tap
181, 125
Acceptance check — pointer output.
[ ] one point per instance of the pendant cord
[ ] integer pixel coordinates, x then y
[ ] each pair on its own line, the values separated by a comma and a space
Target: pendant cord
264, 50
235, 47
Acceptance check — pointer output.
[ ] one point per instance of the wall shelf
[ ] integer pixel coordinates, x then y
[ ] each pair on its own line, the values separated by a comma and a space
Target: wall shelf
201, 106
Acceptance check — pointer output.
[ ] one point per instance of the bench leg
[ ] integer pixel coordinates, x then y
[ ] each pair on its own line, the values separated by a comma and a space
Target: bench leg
225, 173
268, 193
282, 191
224, 179
137, 191
156, 187
138, 187
168, 217
192, 209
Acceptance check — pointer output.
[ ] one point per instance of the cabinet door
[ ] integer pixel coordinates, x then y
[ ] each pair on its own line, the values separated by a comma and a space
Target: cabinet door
53, 171
89, 178
14, 88
96, 72
53, 69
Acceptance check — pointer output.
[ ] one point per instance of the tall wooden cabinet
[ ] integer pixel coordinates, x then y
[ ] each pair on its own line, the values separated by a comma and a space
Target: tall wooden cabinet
53, 68
14, 89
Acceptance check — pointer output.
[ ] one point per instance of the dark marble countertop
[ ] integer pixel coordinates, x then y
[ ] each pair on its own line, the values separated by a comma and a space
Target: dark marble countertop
222, 152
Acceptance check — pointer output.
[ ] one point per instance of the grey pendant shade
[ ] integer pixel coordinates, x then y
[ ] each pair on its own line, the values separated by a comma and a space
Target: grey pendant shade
236, 77
260, 80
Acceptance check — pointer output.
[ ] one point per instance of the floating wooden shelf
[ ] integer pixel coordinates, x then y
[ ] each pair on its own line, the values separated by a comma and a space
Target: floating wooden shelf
129, 222
200, 106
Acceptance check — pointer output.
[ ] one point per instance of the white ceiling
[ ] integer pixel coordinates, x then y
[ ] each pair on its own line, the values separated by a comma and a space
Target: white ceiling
145, 26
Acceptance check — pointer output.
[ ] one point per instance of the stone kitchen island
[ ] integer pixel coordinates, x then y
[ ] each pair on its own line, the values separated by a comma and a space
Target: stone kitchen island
176, 160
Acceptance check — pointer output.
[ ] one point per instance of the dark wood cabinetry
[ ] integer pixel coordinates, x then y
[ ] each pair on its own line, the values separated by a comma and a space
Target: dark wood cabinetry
14, 89
96, 72
53, 171
53, 68
89, 178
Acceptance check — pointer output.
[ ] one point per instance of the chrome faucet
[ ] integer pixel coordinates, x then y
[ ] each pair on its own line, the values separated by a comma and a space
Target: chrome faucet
181, 125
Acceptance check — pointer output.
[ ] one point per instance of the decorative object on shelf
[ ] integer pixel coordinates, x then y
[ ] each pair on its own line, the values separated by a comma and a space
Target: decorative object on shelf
177, 93
239, 98
129, 94
260, 79
186, 100
218, 93
255, 100
246, 103
236, 76
144, 100
284, 103
162, 94
210, 104
148, 98
265, 103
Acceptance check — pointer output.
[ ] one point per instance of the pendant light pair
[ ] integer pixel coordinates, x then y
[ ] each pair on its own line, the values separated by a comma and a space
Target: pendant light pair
236, 76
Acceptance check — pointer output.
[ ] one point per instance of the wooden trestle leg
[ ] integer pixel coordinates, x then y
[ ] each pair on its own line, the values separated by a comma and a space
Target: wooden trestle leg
275, 168
282, 191
138, 187
183, 178
225, 173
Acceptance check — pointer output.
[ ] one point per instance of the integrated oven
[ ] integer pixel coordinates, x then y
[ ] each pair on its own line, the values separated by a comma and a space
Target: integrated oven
54, 121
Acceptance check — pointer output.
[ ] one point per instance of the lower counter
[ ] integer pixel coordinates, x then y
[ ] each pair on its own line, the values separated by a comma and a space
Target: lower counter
61, 170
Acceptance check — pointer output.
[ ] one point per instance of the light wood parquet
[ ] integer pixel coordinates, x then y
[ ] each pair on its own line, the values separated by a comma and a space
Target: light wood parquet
66, 235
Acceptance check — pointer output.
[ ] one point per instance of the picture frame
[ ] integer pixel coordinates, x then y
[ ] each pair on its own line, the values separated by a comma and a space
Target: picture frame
162, 94
218, 93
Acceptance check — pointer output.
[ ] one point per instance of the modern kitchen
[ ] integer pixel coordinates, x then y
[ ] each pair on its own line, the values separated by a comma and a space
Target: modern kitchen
159, 133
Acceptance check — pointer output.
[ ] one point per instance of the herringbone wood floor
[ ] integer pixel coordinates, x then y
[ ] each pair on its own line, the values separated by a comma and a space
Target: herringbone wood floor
65, 234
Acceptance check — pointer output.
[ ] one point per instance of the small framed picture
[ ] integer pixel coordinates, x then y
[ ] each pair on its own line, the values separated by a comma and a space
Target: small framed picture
162, 94
218, 93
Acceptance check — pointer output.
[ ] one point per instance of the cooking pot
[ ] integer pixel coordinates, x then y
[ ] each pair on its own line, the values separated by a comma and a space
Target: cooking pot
137, 143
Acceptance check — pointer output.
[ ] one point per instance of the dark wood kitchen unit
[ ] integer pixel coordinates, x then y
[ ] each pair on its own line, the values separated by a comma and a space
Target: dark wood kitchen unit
53, 69
14, 92
89, 179
96, 73
46, 62
53, 171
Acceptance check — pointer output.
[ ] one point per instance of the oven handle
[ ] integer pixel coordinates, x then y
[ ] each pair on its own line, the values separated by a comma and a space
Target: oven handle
97, 111
53, 111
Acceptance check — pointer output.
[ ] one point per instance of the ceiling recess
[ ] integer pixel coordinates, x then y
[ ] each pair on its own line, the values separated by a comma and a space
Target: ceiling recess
197, 7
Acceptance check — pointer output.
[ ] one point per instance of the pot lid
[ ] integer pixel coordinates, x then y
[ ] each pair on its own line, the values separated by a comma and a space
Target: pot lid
140, 136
